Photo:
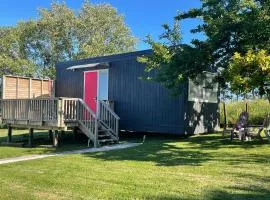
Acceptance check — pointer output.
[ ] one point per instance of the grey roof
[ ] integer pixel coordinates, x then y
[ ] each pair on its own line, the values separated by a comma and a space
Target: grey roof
104, 59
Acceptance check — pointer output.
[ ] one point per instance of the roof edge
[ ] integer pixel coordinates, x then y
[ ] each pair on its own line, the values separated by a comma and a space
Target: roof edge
106, 58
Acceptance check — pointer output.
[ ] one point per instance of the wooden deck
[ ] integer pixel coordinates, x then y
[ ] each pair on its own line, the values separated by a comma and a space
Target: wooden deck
63, 113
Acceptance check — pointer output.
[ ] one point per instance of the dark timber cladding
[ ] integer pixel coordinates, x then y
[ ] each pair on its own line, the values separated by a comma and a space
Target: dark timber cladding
141, 105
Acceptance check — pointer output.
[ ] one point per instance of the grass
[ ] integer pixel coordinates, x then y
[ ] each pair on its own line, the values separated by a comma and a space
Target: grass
42, 142
256, 108
199, 167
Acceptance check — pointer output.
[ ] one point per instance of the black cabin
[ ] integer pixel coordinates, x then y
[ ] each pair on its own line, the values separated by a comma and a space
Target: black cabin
142, 106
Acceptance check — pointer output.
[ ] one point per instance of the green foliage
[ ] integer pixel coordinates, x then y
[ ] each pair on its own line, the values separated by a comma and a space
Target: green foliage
101, 30
230, 26
249, 72
12, 61
41, 140
172, 63
257, 109
60, 34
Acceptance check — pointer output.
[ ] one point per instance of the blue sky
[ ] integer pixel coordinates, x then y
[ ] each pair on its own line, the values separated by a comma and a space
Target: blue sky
142, 16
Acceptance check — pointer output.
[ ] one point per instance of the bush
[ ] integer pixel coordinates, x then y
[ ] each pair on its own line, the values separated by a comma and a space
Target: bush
257, 111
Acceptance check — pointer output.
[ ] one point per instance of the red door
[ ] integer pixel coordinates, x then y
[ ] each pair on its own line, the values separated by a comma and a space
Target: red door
90, 89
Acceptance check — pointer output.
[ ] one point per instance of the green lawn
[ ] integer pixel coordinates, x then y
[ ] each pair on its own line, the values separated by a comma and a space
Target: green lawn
199, 167
42, 143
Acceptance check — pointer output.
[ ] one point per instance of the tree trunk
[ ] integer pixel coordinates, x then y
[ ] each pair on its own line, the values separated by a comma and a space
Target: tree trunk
225, 126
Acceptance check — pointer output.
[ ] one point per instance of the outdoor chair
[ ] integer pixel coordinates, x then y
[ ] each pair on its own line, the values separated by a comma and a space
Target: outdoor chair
267, 127
255, 131
239, 129
267, 133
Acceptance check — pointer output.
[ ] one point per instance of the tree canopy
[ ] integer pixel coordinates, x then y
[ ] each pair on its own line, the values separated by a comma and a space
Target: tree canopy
231, 27
250, 71
61, 34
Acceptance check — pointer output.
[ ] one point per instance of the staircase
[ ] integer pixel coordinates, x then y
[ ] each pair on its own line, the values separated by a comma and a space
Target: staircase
101, 128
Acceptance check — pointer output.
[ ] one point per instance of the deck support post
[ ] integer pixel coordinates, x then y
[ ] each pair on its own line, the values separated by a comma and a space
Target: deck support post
9, 138
50, 132
56, 138
62, 134
74, 131
31, 137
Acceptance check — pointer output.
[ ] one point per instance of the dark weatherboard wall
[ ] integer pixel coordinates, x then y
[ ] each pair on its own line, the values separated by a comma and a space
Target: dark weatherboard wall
142, 105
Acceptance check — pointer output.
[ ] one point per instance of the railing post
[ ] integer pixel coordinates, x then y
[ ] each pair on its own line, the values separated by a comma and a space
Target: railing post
96, 125
60, 113
117, 128
77, 111
41, 110
96, 133
14, 109
98, 109
28, 110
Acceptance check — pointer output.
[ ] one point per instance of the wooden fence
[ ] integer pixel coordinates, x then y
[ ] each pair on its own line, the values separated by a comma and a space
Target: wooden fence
15, 87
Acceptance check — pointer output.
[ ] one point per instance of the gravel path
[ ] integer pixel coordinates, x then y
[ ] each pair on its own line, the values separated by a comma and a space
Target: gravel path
89, 150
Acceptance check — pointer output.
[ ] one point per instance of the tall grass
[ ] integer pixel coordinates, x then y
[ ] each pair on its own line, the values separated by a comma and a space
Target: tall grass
257, 110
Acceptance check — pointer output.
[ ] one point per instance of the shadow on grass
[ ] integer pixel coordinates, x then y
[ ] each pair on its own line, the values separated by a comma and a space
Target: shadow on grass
214, 141
243, 193
251, 185
193, 151
43, 144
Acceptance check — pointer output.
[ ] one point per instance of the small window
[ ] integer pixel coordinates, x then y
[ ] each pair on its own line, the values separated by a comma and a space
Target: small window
203, 89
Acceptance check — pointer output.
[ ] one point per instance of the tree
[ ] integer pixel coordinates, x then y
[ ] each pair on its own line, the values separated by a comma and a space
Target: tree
172, 63
230, 26
11, 59
50, 39
250, 71
59, 34
101, 30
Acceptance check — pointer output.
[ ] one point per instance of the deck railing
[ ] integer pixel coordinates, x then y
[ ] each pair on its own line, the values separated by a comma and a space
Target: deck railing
87, 119
57, 112
33, 110
109, 118
70, 109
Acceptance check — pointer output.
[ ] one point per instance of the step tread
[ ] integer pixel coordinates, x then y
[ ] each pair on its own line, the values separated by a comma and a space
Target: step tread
107, 140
